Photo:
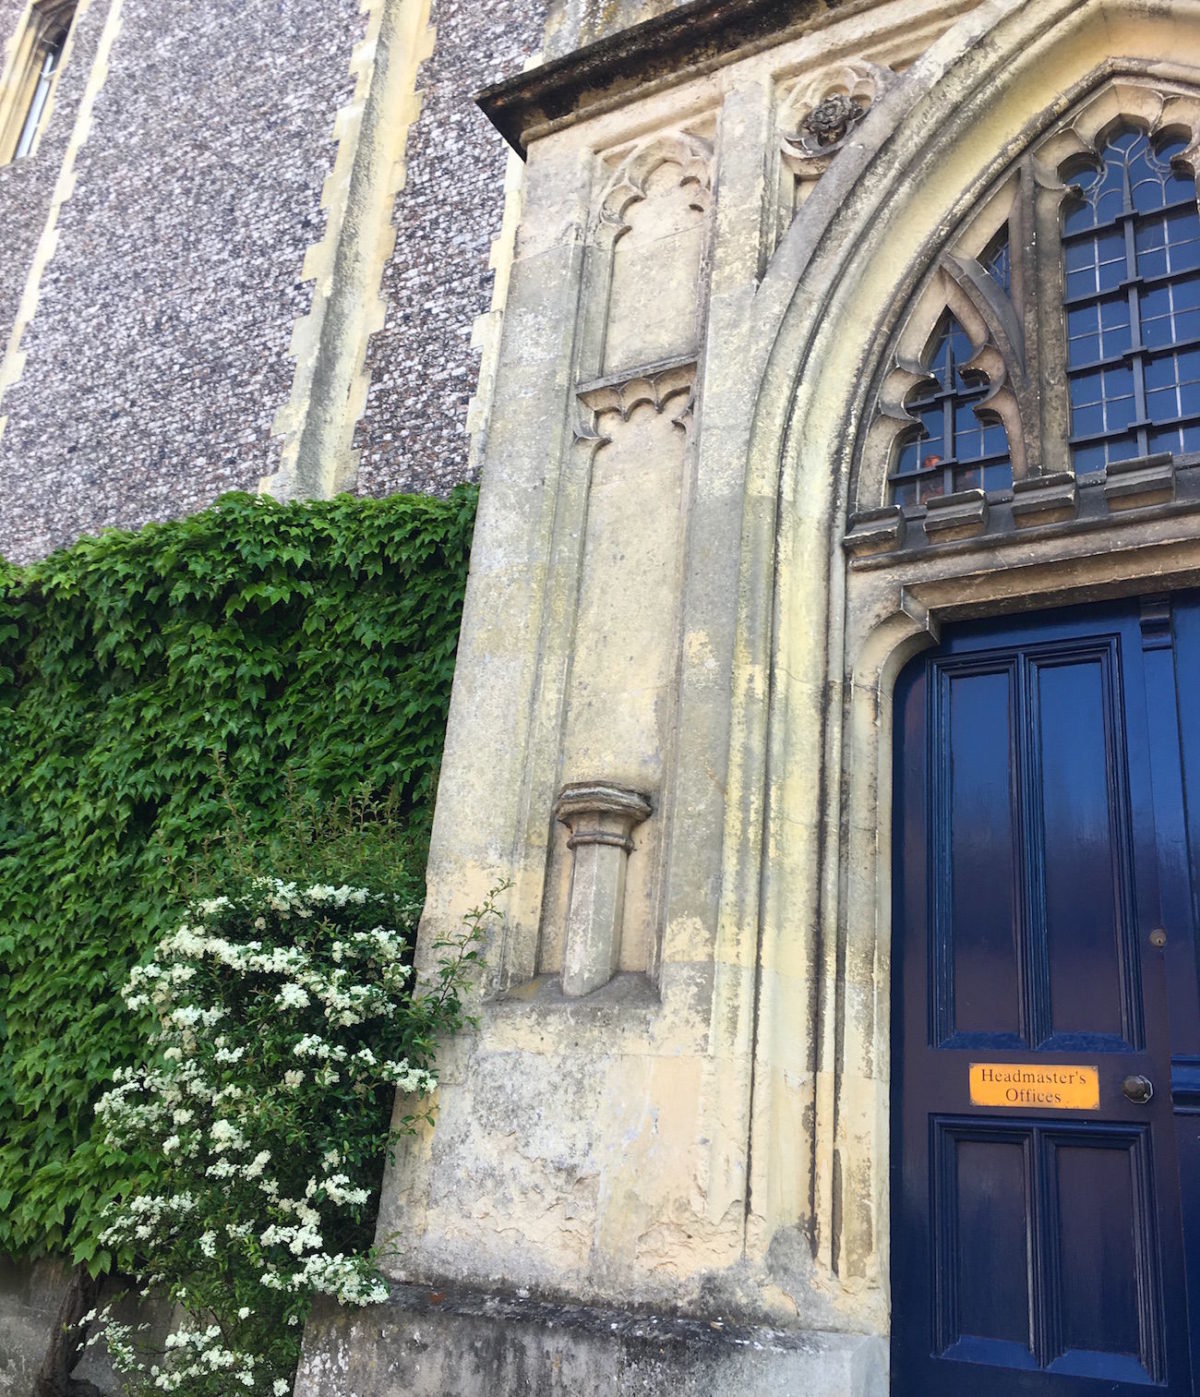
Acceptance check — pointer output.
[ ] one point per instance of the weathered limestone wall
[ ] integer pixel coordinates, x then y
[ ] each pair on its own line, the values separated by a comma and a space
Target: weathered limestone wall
29, 1299
30, 1296
486, 1345
671, 726
597, 1142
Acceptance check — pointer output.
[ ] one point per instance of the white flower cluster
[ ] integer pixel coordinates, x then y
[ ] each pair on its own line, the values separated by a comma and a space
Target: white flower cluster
265, 1006
349, 1279
200, 1353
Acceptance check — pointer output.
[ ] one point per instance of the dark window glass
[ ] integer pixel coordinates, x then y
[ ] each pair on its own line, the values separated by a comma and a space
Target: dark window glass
1131, 261
998, 261
955, 447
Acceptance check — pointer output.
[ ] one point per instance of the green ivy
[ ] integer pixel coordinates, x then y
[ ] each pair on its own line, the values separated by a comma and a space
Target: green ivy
244, 659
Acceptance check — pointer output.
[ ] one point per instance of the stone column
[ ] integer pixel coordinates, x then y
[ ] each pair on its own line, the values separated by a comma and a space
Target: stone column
601, 818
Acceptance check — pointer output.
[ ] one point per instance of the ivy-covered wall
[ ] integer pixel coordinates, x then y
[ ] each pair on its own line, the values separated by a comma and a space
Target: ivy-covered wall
151, 684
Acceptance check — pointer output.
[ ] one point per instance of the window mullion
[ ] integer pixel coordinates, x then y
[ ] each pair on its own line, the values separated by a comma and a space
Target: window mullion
1136, 348
949, 420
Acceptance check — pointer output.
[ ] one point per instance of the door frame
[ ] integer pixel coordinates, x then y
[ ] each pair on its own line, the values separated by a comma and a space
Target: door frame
887, 614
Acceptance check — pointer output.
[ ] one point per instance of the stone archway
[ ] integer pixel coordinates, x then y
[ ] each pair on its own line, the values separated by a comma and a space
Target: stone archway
833, 641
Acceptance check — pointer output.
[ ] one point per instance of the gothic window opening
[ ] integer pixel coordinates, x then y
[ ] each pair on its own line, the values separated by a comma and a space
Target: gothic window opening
1047, 366
1131, 255
956, 447
25, 95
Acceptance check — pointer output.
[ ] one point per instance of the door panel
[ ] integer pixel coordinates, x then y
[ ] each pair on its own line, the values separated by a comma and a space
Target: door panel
978, 861
1036, 1249
1080, 847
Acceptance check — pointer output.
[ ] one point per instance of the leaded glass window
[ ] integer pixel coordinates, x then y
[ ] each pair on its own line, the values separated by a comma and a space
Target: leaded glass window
998, 261
1054, 341
1131, 252
956, 447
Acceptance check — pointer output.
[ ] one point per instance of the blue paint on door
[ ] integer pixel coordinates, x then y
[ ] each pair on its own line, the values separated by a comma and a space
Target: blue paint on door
1043, 838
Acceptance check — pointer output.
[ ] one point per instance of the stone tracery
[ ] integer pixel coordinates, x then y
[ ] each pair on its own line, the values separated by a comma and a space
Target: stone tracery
1001, 279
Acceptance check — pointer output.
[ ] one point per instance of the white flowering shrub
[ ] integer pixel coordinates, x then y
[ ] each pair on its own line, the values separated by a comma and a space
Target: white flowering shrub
286, 1020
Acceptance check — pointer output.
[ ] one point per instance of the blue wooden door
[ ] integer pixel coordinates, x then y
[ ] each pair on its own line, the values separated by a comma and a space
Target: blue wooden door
1046, 1033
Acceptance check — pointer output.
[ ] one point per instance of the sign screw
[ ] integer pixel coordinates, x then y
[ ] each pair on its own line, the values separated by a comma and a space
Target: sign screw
1158, 937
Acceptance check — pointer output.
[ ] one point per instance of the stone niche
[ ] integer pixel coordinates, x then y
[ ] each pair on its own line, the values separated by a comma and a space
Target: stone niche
655, 217
642, 310
620, 703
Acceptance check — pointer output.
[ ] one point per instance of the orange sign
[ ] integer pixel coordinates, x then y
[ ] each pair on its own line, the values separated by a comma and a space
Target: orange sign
1020, 1086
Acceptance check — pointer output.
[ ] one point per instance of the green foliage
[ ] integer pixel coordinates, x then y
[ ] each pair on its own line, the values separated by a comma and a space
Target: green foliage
248, 658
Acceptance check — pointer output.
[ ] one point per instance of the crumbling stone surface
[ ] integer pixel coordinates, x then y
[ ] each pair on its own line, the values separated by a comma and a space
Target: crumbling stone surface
413, 434
433, 1341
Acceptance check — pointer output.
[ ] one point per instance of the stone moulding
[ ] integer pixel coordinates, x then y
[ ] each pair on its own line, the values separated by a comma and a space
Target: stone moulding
875, 531
691, 152
1146, 480
1124, 497
647, 266
315, 426
601, 818
658, 386
816, 117
694, 38
960, 515
1044, 499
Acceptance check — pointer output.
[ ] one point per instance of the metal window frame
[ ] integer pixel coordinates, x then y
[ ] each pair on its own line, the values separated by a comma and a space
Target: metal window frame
27, 87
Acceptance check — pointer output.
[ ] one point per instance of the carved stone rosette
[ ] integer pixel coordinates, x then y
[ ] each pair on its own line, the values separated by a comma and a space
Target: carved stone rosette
819, 113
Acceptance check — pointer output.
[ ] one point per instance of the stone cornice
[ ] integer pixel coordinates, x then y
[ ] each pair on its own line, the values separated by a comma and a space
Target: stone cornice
694, 37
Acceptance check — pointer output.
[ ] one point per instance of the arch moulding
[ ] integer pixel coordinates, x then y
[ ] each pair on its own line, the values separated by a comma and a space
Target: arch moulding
823, 634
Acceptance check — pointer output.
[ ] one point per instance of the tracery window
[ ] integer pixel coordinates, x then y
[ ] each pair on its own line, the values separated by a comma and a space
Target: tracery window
1131, 251
1055, 341
959, 447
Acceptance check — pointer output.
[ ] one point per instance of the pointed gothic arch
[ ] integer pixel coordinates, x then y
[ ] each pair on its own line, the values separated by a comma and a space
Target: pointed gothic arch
1020, 337
833, 300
